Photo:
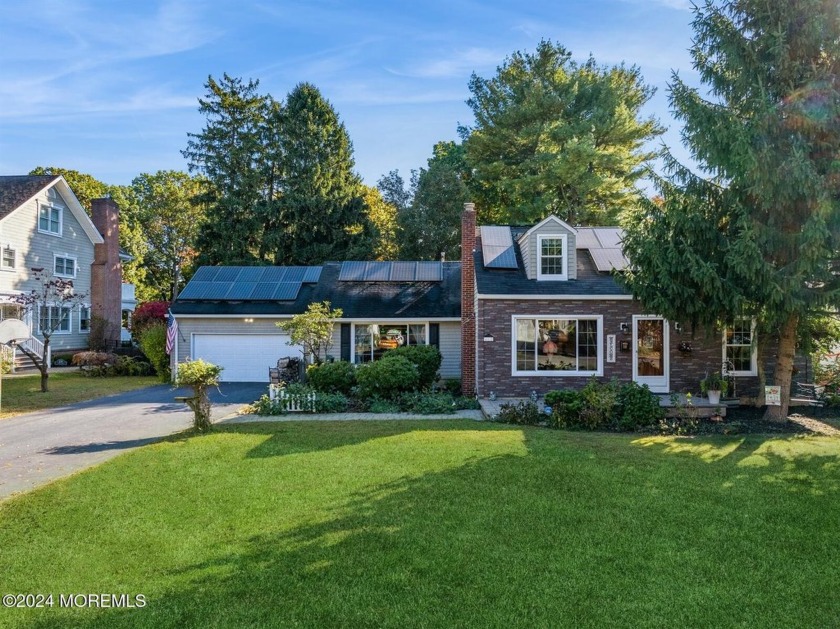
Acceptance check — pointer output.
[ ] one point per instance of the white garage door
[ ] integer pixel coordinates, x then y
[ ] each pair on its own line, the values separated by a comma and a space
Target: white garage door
245, 357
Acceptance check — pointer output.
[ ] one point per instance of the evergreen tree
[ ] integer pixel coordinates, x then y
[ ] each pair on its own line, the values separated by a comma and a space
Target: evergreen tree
321, 207
229, 153
760, 235
555, 136
431, 225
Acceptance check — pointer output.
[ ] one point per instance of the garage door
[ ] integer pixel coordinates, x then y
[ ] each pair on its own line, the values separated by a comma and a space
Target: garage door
245, 357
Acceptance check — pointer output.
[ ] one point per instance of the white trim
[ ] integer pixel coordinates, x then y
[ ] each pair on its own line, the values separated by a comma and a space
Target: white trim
66, 256
424, 322
565, 260
89, 319
3, 249
550, 217
599, 321
351, 320
548, 297
41, 205
663, 386
753, 371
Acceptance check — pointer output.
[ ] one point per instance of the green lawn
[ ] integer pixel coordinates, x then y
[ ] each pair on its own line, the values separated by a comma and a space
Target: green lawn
22, 394
438, 524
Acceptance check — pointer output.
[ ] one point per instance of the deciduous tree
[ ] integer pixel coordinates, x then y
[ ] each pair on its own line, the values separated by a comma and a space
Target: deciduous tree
555, 136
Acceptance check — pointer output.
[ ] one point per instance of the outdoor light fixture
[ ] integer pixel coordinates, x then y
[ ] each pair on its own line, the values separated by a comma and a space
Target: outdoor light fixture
489, 337
625, 328
249, 320
678, 327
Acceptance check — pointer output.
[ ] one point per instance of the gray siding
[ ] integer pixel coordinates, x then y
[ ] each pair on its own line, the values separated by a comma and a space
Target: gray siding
35, 249
450, 349
529, 249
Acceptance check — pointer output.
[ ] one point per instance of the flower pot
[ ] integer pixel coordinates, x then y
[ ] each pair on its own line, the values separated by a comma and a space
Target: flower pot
714, 397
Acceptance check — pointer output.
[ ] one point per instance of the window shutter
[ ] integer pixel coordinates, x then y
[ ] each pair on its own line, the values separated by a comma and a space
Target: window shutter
345, 342
434, 334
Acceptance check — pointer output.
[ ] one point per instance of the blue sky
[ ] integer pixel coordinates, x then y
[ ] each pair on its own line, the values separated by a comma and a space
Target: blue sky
110, 88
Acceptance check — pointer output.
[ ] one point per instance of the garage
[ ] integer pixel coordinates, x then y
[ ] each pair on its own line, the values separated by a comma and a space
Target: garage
245, 357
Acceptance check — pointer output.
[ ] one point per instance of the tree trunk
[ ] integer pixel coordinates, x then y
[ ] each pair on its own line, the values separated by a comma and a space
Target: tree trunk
200, 405
44, 367
784, 368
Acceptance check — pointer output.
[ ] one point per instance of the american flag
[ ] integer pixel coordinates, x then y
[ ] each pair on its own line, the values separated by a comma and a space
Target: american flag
171, 332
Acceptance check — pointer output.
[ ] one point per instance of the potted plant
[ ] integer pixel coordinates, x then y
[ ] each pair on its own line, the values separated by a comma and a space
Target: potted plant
713, 385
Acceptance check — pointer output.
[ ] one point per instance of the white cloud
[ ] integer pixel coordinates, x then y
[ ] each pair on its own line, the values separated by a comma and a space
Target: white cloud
458, 63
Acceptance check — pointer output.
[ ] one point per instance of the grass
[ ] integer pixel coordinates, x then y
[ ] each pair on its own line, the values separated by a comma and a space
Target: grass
437, 524
22, 394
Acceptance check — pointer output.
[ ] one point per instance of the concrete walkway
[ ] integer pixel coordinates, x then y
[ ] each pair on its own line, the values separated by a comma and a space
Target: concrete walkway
40, 447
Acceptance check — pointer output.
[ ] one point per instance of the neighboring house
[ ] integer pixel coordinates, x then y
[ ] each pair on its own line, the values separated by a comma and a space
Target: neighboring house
228, 315
546, 312
43, 225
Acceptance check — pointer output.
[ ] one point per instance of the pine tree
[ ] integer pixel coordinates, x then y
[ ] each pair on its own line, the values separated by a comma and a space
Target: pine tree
555, 136
321, 207
229, 153
760, 235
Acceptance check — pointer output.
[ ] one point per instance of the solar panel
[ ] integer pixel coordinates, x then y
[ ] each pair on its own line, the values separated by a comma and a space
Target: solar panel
228, 273
241, 290
273, 274
351, 272
206, 274
216, 290
403, 271
250, 274
377, 272
286, 291
312, 275
610, 237
194, 289
429, 272
586, 239
609, 259
294, 274
497, 247
263, 291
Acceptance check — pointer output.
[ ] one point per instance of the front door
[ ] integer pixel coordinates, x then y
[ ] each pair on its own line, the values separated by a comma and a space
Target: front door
650, 352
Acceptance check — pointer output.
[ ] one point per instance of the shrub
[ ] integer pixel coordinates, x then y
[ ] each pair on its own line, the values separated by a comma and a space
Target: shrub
200, 375
265, 406
467, 403
600, 401
149, 314
639, 407
426, 358
427, 403
453, 385
566, 408
331, 403
378, 405
339, 377
524, 413
387, 378
153, 344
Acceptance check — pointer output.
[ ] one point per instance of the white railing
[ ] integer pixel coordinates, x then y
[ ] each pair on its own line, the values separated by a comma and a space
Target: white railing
37, 347
292, 403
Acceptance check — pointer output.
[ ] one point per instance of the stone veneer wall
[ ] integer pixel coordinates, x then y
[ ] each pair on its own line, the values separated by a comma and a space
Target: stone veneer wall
686, 370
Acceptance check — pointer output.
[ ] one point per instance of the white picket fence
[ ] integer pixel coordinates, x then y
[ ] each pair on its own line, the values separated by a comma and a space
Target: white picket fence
293, 403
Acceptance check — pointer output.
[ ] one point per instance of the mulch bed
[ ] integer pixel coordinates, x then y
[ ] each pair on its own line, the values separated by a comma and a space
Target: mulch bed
750, 420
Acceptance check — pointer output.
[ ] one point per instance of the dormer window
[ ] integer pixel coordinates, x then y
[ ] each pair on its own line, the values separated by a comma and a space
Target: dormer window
551, 257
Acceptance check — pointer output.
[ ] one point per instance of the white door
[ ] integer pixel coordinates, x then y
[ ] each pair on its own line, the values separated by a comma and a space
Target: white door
650, 352
245, 357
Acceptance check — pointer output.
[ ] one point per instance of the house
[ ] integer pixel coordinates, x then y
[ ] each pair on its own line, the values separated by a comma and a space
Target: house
543, 310
228, 315
528, 309
43, 225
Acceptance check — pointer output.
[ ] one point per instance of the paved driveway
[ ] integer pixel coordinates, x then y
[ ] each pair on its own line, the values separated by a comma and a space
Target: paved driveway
39, 447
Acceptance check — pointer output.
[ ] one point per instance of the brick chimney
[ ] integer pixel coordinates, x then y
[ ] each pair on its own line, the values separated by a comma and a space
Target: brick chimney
106, 270
468, 348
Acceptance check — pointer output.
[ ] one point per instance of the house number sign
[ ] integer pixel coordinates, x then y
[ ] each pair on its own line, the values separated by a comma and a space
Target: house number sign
610, 348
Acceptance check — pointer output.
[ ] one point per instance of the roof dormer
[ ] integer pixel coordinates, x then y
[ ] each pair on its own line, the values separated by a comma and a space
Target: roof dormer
549, 250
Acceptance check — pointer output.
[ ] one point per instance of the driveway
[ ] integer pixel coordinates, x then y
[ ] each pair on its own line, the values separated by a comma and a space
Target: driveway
39, 447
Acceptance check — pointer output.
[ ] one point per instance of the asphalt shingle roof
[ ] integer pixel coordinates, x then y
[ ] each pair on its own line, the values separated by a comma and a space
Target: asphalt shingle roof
15, 190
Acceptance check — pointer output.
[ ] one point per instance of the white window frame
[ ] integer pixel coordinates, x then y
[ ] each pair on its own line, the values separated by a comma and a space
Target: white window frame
65, 257
753, 371
50, 207
58, 331
89, 318
599, 330
3, 265
380, 322
564, 239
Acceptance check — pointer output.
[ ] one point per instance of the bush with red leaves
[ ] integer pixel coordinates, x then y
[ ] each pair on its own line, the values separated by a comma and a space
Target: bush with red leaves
147, 314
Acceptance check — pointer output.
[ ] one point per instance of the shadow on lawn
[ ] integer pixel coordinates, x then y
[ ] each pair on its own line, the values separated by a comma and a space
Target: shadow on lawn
473, 545
100, 446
